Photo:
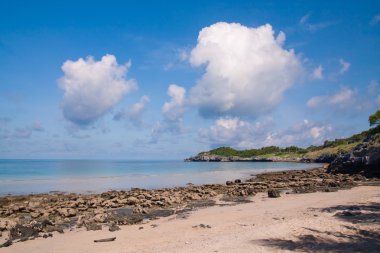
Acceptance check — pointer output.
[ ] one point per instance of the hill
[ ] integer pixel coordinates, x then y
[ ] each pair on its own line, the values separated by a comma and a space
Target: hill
325, 153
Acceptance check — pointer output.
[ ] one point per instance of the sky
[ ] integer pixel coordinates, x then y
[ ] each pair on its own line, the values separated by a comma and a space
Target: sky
165, 80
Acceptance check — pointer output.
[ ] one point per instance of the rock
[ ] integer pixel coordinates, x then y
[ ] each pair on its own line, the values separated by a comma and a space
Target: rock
274, 194
67, 212
93, 226
21, 231
7, 224
34, 215
132, 201
100, 218
50, 229
113, 228
6, 244
229, 183
363, 159
326, 158
237, 181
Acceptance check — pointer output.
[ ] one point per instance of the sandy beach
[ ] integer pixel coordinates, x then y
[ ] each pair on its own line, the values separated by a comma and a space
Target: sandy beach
343, 221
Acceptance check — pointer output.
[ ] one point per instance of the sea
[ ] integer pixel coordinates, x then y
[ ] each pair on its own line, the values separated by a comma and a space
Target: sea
18, 177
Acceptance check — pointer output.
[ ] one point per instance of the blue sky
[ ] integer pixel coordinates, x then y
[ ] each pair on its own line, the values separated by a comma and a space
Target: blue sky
165, 80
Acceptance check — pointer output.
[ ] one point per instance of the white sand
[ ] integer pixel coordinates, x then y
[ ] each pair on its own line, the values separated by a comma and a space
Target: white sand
240, 228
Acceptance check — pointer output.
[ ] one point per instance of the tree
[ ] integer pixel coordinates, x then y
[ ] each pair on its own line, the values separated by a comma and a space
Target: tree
374, 119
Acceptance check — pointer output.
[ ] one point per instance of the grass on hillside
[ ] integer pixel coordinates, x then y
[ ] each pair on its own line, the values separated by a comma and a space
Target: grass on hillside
332, 147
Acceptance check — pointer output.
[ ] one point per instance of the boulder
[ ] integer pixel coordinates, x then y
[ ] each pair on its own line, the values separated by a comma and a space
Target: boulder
363, 159
67, 212
274, 194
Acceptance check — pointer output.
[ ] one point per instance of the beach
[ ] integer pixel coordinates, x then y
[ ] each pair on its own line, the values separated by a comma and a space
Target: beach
342, 221
275, 211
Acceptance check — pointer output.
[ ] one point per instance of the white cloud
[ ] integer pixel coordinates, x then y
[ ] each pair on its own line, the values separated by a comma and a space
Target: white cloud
341, 99
315, 132
238, 133
373, 87
375, 20
227, 131
174, 109
304, 19
134, 114
247, 70
91, 88
344, 66
183, 54
315, 101
313, 27
318, 73
172, 112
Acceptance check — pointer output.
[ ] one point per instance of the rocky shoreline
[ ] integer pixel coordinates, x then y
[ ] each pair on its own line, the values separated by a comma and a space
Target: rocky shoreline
27, 217
219, 158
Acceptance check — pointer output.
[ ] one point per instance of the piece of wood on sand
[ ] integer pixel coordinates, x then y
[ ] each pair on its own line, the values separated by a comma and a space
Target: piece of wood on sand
106, 240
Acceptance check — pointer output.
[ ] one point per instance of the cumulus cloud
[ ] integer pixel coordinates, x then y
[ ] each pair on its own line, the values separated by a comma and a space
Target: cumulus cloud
232, 131
227, 131
134, 114
174, 109
340, 99
172, 112
91, 88
246, 70
344, 66
318, 73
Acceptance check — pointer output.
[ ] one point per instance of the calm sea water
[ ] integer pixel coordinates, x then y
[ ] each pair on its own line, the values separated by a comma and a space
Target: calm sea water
38, 176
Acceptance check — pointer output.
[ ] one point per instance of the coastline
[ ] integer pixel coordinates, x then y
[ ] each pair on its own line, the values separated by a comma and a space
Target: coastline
196, 173
43, 214
305, 222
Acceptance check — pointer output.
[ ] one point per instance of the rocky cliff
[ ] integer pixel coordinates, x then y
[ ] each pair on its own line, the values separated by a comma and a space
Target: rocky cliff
363, 159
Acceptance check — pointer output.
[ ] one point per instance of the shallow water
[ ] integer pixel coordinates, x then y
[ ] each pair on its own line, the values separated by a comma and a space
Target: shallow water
38, 176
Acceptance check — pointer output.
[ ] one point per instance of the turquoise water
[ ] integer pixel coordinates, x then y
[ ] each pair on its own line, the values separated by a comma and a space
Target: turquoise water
39, 176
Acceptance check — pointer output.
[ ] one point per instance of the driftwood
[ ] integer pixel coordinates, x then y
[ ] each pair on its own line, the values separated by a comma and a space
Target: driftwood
106, 240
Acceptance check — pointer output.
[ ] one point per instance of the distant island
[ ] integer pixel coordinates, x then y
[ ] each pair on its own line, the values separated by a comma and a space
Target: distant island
358, 153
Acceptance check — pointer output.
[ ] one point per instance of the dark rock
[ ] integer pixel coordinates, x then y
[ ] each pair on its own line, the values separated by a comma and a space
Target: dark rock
237, 181
113, 228
363, 159
50, 229
125, 216
159, 213
93, 226
274, 194
229, 183
21, 231
326, 158
6, 244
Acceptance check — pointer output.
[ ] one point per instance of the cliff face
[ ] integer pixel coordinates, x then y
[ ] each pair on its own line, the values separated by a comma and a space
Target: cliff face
363, 159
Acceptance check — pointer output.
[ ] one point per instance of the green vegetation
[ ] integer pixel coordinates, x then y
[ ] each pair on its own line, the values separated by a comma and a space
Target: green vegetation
333, 147
374, 119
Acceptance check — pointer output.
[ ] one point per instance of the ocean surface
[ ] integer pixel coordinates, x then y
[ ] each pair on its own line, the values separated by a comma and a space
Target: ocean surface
91, 176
